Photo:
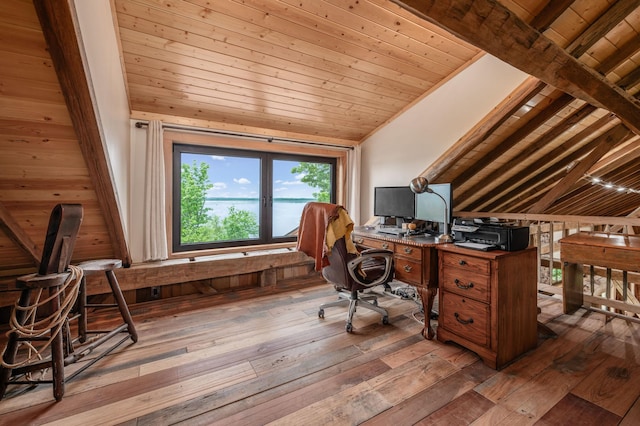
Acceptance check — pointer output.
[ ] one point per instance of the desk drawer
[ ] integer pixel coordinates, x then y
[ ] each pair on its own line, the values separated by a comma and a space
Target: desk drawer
466, 263
373, 243
465, 317
408, 270
466, 283
411, 252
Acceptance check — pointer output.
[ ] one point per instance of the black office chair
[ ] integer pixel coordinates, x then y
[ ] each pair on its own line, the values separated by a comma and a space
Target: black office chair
342, 265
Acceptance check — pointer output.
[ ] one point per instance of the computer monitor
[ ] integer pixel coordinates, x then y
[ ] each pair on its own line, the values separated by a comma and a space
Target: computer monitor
429, 207
394, 202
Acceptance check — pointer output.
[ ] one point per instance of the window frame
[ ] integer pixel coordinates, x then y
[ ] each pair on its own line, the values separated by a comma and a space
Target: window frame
267, 157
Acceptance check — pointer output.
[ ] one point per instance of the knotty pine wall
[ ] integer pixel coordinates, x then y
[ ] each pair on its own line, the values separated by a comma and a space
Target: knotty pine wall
42, 162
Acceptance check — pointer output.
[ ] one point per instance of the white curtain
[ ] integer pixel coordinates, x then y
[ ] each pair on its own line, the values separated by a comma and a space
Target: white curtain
353, 183
154, 232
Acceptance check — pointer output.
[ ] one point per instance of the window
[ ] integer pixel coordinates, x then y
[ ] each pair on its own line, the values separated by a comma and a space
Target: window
227, 197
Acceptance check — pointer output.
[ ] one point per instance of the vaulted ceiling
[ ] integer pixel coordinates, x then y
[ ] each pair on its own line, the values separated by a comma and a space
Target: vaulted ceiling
341, 69
328, 70
334, 68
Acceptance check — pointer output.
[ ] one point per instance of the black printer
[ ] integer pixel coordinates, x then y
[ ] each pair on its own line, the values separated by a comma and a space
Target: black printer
501, 235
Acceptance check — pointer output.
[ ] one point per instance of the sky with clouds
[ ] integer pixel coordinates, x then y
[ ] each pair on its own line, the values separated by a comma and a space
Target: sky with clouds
239, 177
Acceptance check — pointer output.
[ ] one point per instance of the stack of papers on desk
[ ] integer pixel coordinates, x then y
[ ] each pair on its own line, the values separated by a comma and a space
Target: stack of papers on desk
476, 246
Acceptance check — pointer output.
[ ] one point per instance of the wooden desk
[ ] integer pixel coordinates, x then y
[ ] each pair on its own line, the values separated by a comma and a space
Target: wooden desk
416, 263
598, 249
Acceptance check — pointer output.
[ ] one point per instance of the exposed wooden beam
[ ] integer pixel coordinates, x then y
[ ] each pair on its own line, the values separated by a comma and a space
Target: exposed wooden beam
18, 236
493, 28
522, 156
512, 139
630, 79
523, 94
606, 143
635, 213
544, 172
538, 171
623, 154
56, 20
622, 54
605, 23
550, 13
580, 199
522, 200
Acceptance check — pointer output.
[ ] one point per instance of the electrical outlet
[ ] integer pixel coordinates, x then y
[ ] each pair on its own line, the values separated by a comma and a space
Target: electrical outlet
155, 292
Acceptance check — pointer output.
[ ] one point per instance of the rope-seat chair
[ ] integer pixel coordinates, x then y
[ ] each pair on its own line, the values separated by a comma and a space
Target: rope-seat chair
40, 333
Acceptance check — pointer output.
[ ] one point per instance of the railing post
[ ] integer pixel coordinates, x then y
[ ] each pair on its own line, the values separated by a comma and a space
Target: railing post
539, 238
551, 247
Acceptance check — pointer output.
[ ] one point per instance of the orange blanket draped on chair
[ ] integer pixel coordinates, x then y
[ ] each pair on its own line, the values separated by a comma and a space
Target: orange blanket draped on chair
321, 225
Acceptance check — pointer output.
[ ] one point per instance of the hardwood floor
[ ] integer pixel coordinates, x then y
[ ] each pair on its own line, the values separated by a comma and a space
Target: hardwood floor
262, 356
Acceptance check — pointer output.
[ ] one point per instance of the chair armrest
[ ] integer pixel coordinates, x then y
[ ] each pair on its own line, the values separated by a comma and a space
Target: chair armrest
354, 264
33, 281
375, 251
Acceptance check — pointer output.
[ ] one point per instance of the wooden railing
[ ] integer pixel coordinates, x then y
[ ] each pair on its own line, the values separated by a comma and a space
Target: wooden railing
613, 292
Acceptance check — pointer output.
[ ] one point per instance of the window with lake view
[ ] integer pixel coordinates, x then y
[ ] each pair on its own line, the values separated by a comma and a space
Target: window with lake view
226, 197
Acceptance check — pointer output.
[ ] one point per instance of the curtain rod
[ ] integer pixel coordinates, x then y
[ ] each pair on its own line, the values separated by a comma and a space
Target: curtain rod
141, 124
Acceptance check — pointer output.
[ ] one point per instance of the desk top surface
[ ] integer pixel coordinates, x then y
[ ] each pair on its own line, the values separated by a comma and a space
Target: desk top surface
601, 249
601, 239
416, 240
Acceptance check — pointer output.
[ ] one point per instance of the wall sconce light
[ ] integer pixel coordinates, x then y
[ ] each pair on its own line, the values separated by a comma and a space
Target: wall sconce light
420, 185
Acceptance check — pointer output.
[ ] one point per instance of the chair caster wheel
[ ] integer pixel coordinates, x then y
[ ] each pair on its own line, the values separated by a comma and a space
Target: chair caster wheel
349, 327
385, 320
321, 313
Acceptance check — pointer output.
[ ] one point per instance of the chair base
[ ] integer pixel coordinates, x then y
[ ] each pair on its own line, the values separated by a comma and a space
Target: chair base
353, 300
65, 348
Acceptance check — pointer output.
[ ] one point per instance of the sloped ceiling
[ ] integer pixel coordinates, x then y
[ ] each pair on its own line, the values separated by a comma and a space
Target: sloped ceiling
330, 70
541, 150
341, 69
334, 68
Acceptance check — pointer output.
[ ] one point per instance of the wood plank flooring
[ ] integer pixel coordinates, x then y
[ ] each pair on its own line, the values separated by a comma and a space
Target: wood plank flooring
262, 356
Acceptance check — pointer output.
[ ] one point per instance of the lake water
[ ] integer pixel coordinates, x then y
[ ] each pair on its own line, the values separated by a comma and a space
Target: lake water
286, 212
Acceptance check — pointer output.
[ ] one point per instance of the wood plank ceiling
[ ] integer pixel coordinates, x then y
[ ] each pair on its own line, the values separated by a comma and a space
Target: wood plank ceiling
332, 68
340, 69
328, 70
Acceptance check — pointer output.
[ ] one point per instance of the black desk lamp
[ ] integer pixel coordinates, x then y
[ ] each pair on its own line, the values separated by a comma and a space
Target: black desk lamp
420, 185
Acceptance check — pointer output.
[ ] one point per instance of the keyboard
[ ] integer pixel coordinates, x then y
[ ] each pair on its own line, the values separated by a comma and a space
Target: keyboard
476, 246
392, 231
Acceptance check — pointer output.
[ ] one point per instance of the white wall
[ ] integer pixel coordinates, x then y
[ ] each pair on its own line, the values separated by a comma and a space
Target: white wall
136, 206
404, 148
99, 42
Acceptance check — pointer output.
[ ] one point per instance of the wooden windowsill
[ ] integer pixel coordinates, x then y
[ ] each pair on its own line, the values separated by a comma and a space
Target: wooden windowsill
200, 254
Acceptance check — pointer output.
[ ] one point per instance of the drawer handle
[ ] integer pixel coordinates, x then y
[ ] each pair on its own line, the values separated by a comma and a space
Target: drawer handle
385, 246
408, 250
359, 240
407, 268
462, 262
462, 286
461, 321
